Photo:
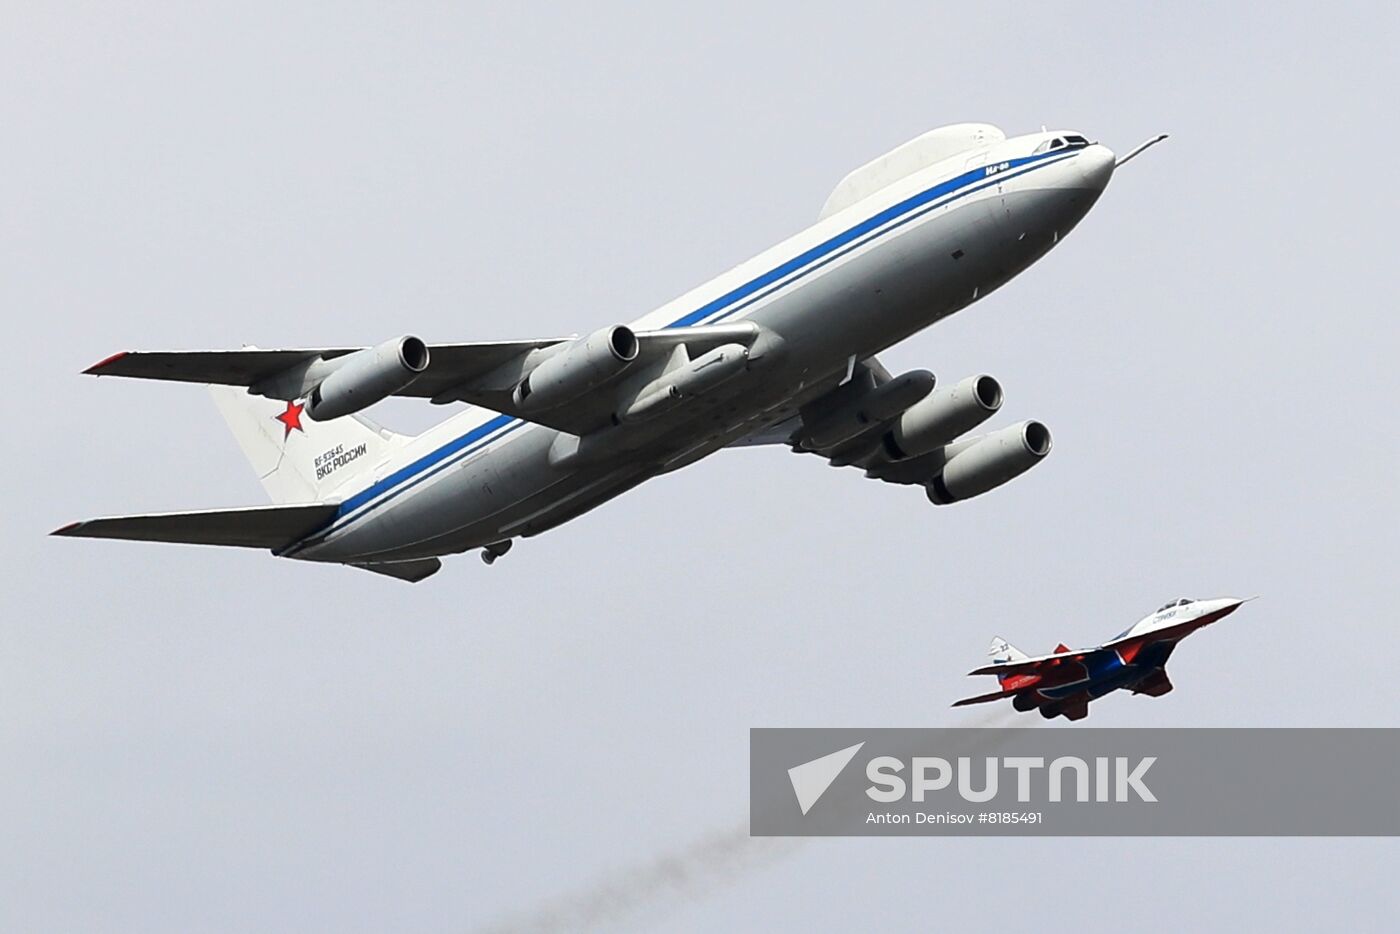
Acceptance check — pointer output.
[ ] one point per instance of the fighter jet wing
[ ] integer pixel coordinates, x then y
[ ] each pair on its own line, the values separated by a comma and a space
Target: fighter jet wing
482, 373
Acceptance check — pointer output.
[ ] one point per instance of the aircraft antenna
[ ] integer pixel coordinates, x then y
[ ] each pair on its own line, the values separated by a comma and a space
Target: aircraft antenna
1141, 148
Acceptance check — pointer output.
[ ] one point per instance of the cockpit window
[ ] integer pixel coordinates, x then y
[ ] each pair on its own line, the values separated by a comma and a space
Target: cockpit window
1175, 603
1062, 142
1070, 140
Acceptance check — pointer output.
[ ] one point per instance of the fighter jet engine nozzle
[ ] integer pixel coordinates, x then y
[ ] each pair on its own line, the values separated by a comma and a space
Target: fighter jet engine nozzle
360, 379
578, 367
942, 416
976, 465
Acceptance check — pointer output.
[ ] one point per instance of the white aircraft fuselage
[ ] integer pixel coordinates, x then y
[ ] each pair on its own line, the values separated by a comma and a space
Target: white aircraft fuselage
779, 350
862, 278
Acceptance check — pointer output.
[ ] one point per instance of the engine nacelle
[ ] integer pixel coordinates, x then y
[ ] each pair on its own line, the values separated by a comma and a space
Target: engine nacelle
1025, 702
977, 465
695, 378
580, 367
362, 378
942, 416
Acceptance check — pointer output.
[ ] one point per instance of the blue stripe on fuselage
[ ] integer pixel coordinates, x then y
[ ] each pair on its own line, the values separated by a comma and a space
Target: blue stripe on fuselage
815, 257
859, 230
1104, 671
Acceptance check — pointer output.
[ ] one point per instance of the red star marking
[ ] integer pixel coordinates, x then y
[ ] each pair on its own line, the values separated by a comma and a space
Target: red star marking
291, 419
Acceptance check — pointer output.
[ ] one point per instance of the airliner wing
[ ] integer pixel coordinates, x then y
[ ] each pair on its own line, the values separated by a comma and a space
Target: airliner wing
449, 364
788, 425
862, 448
495, 390
780, 432
483, 373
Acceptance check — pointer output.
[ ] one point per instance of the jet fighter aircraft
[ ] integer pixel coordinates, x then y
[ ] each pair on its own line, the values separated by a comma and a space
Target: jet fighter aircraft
780, 350
1063, 683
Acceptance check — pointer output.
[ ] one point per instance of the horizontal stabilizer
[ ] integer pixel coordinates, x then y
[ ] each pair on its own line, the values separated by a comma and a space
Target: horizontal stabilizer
252, 527
984, 698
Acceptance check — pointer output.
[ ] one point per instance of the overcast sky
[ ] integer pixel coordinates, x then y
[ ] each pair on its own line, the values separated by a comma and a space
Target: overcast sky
201, 739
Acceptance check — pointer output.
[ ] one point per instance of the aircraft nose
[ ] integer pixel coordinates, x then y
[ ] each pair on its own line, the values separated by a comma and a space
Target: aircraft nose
1096, 166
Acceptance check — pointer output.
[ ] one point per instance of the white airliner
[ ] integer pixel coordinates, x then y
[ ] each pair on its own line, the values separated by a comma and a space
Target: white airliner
779, 350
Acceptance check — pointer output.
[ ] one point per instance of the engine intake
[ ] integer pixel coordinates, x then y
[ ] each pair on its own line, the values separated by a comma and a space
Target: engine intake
977, 465
577, 368
941, 416
364, 377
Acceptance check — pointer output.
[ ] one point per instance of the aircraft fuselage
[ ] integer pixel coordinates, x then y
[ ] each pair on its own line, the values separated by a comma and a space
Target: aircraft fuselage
853, 284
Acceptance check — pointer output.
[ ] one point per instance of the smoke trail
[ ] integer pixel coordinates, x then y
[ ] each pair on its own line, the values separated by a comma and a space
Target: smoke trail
701, 868
698, 869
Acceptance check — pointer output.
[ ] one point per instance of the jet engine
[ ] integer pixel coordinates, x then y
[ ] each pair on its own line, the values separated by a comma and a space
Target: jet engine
360, 379
579, 367
976, 465
941, 416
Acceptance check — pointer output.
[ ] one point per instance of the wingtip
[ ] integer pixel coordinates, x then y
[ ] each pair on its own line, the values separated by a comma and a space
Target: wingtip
97, 368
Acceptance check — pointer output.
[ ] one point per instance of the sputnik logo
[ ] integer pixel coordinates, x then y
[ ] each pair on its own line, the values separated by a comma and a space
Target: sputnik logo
291, 419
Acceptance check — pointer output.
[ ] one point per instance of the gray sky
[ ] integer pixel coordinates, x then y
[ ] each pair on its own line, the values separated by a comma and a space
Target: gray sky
196, 739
